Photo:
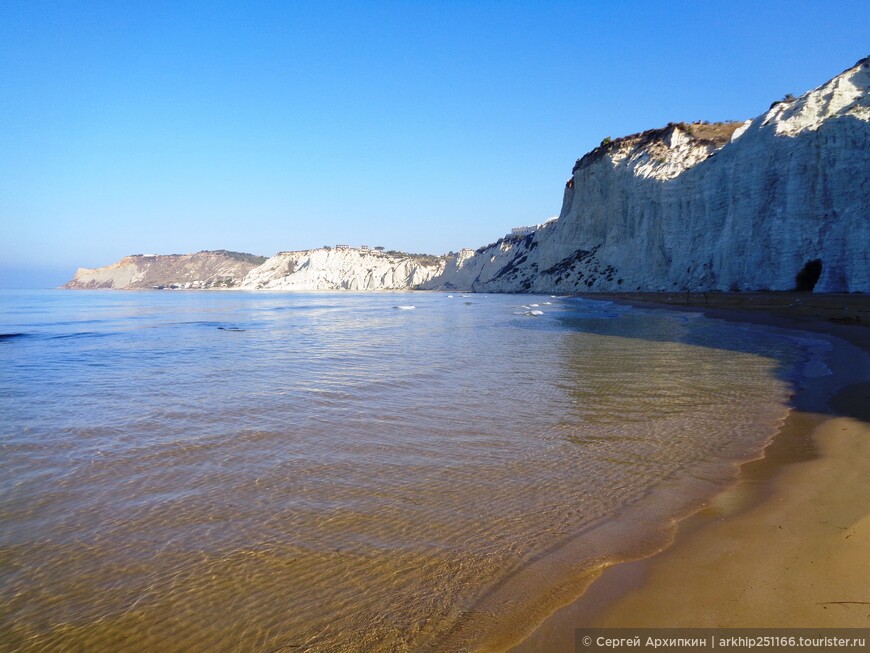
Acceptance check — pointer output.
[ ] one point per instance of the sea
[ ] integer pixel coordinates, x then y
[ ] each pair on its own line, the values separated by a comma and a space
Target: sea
414, 471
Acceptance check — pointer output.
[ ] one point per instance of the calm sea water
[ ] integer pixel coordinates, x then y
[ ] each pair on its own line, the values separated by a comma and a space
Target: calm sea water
230, 471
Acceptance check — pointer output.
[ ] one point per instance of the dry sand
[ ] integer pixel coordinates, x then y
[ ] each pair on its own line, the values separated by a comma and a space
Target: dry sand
789, 544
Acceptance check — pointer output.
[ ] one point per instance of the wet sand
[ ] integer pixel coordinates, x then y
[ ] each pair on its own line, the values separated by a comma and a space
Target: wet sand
789, 543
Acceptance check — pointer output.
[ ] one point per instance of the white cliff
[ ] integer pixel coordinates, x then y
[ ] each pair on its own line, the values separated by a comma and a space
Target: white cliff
217, 269
340, 268
707, 207
343, 269
772, 203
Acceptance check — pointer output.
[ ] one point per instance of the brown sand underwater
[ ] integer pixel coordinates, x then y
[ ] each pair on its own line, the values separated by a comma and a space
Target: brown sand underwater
789, 544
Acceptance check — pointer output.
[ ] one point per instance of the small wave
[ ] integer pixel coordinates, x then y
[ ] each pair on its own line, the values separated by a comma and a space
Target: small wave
68, 323
12, 336
80, 334
205, 323
405, 308
230, 328
816, 355
299, 307
449, 296
817, 344
536, 312
815, 369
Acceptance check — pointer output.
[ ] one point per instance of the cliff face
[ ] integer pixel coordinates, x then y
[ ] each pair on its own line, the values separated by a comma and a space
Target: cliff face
343, 269
220, 269
707, 207
316, 269
774, 203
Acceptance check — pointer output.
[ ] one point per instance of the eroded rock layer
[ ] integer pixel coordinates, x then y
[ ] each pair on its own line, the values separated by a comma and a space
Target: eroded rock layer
775, 203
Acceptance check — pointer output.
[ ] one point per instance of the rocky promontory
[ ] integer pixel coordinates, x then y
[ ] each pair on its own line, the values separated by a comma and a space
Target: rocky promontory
215, 269
326, 268
774, 203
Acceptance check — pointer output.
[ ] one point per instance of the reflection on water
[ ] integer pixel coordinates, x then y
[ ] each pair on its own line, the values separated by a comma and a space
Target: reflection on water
228, 471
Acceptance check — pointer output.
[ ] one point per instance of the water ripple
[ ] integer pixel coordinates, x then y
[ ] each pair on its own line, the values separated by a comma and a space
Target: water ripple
226, 471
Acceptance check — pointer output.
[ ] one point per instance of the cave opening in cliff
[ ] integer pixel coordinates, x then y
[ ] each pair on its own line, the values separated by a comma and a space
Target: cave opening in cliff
808, 276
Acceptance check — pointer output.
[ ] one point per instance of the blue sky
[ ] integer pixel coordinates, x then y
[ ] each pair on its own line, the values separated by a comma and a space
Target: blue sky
171, 127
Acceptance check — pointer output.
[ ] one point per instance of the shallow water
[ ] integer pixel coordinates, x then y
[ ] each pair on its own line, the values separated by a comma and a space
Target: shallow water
232, 471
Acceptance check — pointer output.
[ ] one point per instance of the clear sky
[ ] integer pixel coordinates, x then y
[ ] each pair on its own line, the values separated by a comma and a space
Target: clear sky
172, 127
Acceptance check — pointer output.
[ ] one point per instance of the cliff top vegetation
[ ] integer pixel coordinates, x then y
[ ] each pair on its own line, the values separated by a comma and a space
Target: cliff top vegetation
715, 134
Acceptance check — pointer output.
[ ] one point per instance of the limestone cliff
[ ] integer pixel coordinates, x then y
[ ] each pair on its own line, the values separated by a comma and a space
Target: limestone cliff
343, 268
773, 203
218, 269
340, 268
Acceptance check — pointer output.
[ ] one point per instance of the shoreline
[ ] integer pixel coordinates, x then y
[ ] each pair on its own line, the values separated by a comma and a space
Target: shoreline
763, 552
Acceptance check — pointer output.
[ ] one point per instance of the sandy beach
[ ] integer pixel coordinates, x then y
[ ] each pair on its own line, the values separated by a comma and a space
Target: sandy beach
789, 543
